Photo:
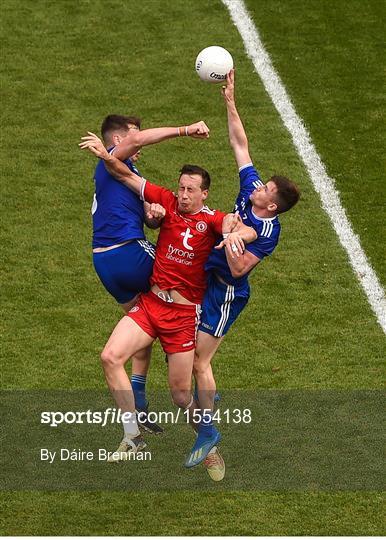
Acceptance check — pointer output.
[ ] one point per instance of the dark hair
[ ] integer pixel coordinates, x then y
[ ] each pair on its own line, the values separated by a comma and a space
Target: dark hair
287, 194
118, 122
195, 169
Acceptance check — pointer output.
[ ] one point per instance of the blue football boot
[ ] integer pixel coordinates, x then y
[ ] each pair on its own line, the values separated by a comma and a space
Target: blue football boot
202, 447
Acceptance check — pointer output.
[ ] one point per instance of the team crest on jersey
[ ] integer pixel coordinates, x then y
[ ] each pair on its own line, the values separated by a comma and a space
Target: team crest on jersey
201, 226
134, 309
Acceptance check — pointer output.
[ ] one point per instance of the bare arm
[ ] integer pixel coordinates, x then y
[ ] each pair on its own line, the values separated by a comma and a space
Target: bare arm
241, 264
116, 168
237, 136
248, 234
135, 140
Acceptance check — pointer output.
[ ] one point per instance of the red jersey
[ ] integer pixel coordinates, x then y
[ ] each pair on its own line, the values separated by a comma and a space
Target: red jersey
184, 244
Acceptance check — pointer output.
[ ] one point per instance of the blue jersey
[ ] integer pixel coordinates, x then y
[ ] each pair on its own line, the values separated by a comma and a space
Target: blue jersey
268, 230
117, 212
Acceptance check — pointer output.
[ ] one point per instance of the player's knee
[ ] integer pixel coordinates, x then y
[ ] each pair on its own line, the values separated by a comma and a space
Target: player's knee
181, 398
110, 359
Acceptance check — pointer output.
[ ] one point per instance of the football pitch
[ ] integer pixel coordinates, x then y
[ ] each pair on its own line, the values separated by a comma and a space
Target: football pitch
306, 356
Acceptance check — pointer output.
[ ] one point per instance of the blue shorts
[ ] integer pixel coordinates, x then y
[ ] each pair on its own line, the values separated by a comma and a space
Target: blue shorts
125, 271
221, 306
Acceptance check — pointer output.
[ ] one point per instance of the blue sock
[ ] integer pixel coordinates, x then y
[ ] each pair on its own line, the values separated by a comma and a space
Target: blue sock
206, 427
138, 382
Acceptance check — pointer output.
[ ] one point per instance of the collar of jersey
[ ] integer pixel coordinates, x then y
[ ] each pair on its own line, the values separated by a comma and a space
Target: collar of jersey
262, 218
112, 148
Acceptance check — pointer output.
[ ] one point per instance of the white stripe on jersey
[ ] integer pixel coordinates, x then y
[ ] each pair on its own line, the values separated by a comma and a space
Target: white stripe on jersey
142, 191
147, 247
207, 210
258, 183
267, 229
225, 310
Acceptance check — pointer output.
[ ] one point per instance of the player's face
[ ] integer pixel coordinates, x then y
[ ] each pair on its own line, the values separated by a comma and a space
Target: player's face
190, 195
263, 197
119, 135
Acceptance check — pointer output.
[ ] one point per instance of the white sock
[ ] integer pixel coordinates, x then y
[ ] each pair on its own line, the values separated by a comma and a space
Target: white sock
212, 450
130, 426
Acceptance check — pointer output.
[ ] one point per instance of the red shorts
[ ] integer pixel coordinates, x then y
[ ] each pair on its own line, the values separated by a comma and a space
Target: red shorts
174, 324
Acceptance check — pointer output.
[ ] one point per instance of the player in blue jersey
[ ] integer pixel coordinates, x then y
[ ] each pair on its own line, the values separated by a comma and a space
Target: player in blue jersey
123, 258
228, 289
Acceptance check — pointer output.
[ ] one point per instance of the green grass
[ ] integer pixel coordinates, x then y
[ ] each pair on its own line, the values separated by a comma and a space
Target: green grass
232, 513
308, 326
330, 56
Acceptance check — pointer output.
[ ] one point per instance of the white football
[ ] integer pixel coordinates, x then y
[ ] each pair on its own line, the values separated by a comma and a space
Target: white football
213, 64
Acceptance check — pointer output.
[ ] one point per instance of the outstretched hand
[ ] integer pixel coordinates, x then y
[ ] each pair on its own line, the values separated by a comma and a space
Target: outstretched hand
199, 130
228, 91
93, 143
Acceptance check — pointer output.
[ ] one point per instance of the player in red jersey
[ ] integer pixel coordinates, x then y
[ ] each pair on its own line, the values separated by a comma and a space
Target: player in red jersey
170, 311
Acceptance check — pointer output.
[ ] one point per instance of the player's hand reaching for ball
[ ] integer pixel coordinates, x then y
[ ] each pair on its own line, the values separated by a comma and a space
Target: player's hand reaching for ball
93, 143
199, 130
228, 91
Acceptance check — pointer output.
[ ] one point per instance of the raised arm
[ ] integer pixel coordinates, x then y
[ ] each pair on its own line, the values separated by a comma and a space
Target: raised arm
115, 166
135, 140
237, 136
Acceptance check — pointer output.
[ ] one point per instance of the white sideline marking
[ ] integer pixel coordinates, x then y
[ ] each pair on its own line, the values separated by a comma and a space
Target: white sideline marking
323, 184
